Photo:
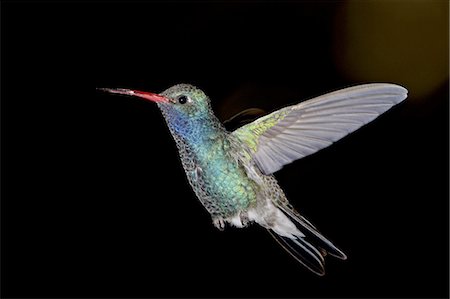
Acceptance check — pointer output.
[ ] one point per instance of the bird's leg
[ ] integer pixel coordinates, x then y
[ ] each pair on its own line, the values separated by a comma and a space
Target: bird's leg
219, 223
244, 218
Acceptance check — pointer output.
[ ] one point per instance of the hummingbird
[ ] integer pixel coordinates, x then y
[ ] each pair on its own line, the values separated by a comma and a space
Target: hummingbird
231, 172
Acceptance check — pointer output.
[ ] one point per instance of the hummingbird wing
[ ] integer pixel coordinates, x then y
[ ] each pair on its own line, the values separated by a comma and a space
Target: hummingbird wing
300, 130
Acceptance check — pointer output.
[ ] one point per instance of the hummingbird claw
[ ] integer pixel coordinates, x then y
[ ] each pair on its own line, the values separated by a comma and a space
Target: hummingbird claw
244, 219
219, 223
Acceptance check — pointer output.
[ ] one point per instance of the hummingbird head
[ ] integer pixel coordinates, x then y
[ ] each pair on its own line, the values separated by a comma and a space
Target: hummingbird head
185, 101
185, 107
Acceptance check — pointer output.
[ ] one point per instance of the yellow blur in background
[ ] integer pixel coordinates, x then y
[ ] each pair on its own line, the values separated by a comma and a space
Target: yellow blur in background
403, 42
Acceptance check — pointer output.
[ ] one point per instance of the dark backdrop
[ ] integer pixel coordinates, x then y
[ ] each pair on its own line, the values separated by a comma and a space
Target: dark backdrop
94, 199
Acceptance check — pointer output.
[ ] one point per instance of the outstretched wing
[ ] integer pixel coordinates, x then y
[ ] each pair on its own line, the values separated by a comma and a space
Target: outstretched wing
297, 131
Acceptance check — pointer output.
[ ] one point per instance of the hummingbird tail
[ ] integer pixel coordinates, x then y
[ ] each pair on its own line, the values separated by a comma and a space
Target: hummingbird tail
302, 240
311, 233
302, 251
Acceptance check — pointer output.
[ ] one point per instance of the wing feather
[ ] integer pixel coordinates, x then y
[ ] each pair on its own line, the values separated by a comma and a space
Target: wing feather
297, 131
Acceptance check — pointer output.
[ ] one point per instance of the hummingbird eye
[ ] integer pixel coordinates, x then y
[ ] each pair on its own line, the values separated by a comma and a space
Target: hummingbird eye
182, 99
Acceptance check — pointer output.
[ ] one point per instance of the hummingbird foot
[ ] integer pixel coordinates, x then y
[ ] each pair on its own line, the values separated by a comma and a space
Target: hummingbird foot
219, 223
244, 219
239, 220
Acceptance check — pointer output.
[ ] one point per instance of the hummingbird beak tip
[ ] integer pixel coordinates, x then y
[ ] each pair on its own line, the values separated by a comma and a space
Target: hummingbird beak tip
153, 97
117, 90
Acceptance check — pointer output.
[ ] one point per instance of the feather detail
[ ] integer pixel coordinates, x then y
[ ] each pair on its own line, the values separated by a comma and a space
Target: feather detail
312, 260
296, 131
310, 232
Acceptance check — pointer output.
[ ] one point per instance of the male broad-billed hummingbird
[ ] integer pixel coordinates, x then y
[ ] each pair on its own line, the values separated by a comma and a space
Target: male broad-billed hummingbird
232, 172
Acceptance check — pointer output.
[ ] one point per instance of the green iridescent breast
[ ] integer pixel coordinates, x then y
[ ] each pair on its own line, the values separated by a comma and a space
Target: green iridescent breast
224, 178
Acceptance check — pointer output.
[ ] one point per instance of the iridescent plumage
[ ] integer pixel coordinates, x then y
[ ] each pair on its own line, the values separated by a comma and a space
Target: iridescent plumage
231, 172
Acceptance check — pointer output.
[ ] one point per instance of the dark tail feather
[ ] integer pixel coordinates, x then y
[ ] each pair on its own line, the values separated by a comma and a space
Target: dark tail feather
303, 252
313, 235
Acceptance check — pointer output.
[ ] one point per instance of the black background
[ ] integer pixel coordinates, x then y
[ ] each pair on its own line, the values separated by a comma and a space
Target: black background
95, 202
